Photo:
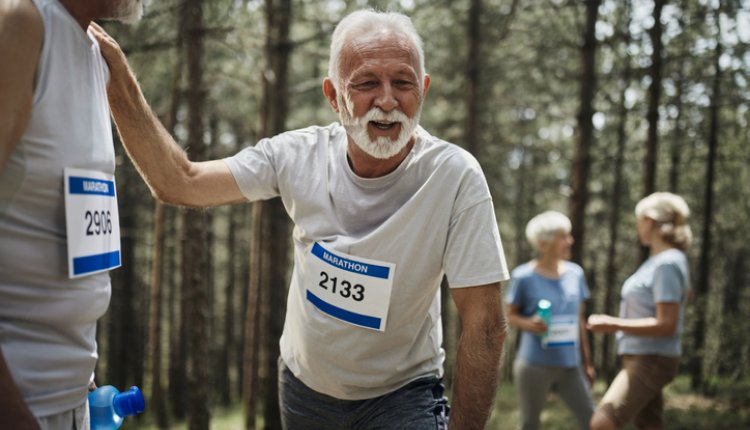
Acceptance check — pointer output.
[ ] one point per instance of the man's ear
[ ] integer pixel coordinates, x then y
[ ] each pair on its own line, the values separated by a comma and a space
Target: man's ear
330, 92
425, 85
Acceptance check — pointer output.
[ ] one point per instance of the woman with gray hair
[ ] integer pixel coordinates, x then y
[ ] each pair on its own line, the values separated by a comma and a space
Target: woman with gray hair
545, 301
651, 322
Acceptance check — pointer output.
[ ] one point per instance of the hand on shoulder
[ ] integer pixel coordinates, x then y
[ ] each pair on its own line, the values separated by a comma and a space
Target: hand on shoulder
110, 50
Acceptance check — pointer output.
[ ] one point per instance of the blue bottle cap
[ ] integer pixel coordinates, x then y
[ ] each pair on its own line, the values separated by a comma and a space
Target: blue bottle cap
129, 402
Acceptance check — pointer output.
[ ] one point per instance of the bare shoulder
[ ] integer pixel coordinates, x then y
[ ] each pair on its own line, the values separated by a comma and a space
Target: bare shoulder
21, 38
20, 23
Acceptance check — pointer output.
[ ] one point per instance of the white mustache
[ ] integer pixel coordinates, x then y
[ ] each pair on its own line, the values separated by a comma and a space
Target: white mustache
382, 147
377, 115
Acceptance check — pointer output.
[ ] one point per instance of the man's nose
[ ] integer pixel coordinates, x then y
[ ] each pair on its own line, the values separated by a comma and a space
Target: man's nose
386, 99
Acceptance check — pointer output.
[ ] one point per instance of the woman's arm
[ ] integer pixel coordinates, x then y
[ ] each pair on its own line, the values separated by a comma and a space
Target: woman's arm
664, 324
588, 365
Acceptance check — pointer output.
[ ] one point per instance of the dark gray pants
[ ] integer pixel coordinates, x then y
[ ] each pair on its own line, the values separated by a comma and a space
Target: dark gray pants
533, 382
419, 405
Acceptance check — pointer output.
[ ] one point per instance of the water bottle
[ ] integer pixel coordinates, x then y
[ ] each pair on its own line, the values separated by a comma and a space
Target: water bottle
544, 311
109, 407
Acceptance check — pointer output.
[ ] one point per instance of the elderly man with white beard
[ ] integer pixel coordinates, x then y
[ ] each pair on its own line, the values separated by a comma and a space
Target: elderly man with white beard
382, 211
57, 161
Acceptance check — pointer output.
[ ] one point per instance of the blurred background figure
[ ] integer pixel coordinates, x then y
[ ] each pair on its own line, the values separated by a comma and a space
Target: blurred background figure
553, 353
651, 322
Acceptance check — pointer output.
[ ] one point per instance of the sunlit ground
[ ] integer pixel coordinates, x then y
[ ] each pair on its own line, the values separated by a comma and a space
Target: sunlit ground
729, 409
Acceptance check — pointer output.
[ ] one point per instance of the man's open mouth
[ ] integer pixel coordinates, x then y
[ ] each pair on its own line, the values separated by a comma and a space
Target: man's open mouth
383, 125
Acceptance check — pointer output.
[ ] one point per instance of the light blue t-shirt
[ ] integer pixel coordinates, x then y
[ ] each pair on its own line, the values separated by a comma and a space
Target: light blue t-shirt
663, 278
566, 293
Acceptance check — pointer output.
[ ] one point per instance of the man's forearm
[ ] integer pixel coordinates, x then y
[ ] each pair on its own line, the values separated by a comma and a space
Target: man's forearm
161, 162
476, 375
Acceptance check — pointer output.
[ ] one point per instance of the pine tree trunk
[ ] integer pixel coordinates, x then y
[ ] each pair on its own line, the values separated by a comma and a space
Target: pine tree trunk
157, 402
654, 93
731, 316
521, 217
652, 116
585, 131
177, 345
679, 132
244, 258
704, 269
252, 351
122, 334
275, 247
195, 269
225, 362
610, 286
473, 77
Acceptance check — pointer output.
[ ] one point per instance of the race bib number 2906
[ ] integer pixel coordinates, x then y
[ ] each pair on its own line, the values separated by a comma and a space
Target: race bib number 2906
352, 289
92, 222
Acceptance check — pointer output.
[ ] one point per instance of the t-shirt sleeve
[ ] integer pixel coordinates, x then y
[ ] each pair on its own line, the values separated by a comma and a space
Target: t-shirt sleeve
668, 284
254, 171
474, 253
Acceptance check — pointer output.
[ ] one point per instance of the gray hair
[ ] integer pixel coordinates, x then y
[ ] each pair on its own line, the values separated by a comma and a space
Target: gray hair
369, 21
544, 226
670, 212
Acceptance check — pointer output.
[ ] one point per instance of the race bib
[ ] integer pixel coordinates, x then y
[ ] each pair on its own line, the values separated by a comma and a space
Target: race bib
563, 331
349, 288
92, 222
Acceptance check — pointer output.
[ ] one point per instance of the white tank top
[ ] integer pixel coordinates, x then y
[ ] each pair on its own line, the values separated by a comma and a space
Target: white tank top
48, 321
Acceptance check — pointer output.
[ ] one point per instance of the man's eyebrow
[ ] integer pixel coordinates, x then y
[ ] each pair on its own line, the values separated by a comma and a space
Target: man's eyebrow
362, 75
407, 71
403, 71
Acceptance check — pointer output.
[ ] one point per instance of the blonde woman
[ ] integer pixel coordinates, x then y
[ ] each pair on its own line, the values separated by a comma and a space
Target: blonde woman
550, 357
651, 321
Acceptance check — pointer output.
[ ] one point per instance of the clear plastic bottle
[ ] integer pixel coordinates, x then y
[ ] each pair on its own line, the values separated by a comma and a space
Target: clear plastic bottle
544, 311
108, 407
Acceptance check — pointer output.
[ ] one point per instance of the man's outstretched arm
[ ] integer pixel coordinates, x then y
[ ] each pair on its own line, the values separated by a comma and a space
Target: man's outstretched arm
172, 177
479, 349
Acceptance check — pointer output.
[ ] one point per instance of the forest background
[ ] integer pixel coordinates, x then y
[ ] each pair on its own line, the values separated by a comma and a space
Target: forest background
578, 106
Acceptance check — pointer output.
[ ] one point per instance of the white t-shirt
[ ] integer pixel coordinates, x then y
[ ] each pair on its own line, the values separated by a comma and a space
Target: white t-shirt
48, 321
431, 216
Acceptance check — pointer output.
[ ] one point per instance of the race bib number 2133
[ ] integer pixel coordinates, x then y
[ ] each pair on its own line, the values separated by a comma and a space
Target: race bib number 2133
349, 288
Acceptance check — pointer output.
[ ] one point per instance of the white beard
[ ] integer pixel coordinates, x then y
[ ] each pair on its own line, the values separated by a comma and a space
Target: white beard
128, 11
382, 147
